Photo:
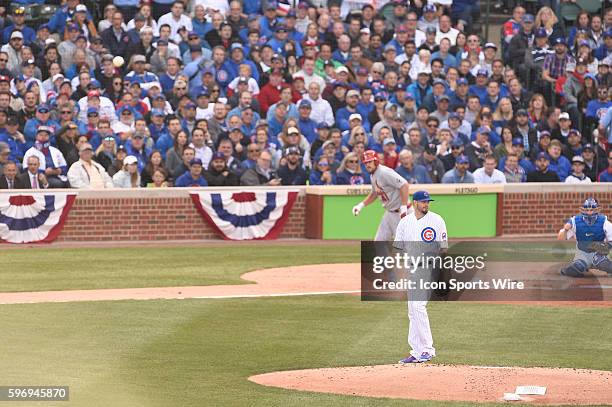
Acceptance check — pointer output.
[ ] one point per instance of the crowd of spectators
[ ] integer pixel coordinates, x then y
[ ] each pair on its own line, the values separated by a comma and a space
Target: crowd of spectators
223, 93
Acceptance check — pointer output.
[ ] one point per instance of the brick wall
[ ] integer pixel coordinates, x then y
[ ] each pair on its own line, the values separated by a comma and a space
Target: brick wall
153, 218
544, 212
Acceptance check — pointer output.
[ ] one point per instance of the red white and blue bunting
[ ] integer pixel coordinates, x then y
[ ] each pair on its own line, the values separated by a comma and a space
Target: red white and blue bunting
33, 218
245, 215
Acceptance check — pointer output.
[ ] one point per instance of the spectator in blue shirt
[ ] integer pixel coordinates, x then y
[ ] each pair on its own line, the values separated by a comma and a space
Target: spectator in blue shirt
411, 172
558, 163
459, 174
480, 87
29, 35
606, 175
193, 177
308, 127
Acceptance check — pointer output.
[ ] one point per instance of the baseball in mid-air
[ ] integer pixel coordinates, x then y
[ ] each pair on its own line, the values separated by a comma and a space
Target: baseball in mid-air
118, 61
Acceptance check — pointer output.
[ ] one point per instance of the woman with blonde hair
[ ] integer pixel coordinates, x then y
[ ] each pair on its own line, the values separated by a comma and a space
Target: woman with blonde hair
547, 19
350, 172
503, 114
358, 135
538, 110
128, 176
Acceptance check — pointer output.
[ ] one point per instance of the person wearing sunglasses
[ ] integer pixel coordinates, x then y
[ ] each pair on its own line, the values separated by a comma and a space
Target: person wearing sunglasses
321, 174
593, 234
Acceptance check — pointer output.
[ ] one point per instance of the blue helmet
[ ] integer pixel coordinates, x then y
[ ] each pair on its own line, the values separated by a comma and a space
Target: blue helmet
590, 203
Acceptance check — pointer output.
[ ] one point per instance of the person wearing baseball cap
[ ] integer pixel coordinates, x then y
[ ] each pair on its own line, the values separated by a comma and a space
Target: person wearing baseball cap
192, 177
292, 172
19, 24
218, 174
347, 114
604, 49
459, 174
577, 176
542, 173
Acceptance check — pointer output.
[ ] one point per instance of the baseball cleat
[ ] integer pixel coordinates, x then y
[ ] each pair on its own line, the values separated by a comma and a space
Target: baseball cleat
409, 359
425, 357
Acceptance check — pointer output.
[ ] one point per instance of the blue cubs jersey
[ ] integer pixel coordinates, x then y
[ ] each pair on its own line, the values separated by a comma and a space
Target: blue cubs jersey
586, 233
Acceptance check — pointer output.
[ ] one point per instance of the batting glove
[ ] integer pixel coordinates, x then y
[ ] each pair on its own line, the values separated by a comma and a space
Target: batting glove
357, 208
404, 210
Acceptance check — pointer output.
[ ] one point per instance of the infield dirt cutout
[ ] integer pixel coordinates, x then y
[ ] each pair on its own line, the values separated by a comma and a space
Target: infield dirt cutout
314, 279
449, 383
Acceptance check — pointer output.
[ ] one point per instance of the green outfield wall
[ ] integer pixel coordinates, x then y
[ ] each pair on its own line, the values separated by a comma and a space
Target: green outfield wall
465, 216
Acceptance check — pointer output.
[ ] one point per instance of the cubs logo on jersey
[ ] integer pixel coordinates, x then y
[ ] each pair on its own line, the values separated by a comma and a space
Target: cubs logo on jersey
428, 234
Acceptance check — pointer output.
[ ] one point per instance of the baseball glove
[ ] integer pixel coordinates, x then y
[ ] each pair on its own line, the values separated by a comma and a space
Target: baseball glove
602, 248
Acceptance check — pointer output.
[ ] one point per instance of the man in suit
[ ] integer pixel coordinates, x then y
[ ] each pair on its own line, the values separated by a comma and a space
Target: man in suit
8, 179
32, 179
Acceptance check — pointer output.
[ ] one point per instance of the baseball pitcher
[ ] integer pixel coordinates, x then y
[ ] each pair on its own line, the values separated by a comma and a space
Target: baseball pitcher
593, 234
422, 232
392, 189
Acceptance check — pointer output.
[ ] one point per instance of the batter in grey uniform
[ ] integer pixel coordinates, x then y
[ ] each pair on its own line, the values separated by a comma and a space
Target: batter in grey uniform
392, 189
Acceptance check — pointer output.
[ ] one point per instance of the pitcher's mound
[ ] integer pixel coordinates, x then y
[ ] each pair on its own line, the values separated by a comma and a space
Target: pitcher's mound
448, 382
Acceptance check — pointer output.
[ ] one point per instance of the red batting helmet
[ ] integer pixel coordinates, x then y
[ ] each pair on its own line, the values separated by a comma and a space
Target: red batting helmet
369, 155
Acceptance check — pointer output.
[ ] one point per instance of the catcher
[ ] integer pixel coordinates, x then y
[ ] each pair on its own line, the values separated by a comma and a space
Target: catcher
593, 233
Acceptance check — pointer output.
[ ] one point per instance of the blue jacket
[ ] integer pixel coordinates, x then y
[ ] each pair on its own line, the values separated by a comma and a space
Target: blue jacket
57, 23
308, 128
480, 91
417, 91
17, 149
347, 178
29, 131
164, 143
315, 178
186, 180
561, 166
142, 156
418, 175
29, 35
342, 119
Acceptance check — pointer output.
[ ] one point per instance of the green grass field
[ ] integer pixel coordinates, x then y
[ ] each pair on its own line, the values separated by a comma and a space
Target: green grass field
201, 352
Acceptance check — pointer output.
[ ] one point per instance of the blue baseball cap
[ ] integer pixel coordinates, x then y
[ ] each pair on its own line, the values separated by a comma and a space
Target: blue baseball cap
195, 161
454, 115
158, 113
462, 81
528, 18
218, 156
518, 141
482, 72
92, 110
456, 142
304, 103
560, 40
484, 130
462, 159
408, 96
541, 33
421, 196
544, 156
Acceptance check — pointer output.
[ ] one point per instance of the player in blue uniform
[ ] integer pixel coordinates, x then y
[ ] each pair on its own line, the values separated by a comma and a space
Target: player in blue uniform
593, 233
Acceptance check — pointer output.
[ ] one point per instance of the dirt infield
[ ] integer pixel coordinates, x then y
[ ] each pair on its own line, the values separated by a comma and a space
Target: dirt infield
449, 383
318, 279
283, 281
